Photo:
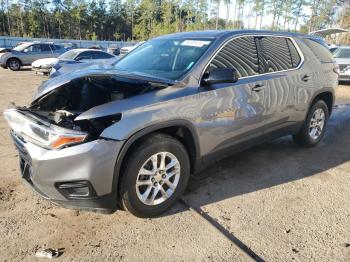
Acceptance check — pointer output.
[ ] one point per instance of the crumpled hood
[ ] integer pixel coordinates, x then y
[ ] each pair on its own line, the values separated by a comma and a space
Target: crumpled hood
44, 62
96, 70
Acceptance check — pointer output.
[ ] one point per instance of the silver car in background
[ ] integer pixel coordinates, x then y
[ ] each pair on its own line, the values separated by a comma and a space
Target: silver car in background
27, 53
342, 57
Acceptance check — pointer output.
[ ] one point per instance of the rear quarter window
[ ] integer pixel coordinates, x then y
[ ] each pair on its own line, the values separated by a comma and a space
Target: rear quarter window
319, 50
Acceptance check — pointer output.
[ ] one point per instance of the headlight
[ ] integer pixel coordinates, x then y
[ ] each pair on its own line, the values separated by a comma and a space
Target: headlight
44, 135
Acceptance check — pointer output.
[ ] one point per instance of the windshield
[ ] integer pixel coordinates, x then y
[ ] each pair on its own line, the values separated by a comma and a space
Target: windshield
21, 47
342, 53
69, 54
166, 58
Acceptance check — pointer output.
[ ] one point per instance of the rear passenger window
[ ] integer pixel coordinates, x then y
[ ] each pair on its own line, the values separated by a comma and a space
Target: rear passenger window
279, 54
319, 50
45, 48
241, 54
296, 59
101, 55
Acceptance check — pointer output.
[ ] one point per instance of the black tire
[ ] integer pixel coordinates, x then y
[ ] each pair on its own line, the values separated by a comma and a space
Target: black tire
13, 64
134, 162
303, 137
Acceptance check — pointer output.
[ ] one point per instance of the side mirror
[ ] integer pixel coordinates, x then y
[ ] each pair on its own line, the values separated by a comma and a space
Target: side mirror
220, 75
25, 50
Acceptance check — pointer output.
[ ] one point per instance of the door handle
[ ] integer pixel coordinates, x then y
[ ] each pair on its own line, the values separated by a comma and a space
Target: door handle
258, 87
305, 78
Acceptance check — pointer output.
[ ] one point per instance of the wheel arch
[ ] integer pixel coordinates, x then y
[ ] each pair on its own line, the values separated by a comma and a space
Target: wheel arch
182, 130
14, 57
327, 95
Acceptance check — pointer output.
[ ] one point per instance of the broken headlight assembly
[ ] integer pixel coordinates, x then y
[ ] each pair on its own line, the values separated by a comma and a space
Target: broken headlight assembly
41, 133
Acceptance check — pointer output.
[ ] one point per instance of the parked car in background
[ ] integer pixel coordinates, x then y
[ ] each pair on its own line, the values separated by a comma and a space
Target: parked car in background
127, 49
132, 135
27, 53
342, 57
70, 57
62, 68
77, 58
344, 75
114, 49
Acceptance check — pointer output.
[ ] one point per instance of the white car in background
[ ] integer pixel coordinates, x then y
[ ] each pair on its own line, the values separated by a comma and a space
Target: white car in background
70, 57
342, 57
127, 49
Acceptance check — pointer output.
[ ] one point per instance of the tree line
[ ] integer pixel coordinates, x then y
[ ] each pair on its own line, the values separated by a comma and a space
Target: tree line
144, 19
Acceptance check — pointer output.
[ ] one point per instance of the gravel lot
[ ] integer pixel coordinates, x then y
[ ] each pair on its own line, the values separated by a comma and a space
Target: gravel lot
275, 202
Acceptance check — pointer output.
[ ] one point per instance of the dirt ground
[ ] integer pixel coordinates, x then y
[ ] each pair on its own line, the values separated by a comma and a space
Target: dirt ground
275, 202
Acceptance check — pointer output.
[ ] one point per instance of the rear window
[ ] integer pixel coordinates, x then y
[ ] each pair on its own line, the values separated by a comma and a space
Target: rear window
101, 55
319, 50
276, 54
45, 48
296, 59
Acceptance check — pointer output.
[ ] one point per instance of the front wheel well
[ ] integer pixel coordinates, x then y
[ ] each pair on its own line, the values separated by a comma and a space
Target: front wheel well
15, 58
179, 132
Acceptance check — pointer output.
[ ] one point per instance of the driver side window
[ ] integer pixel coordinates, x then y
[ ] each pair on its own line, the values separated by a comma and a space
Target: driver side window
240, 54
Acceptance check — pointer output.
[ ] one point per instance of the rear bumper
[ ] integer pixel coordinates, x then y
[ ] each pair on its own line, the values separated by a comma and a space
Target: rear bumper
91, 163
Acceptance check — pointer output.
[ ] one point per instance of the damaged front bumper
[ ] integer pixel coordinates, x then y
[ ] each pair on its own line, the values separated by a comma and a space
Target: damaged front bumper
77, 176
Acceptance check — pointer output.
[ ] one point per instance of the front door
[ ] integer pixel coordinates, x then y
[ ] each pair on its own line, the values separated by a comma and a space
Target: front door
234, 113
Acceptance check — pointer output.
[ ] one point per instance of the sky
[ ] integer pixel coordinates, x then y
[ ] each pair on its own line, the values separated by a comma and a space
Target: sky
267, 19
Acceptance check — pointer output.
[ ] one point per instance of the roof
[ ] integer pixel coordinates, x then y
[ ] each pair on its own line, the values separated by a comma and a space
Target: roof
329, 31
219, 33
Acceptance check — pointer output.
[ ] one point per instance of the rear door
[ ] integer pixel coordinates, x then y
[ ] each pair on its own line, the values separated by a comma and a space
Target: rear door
46, 51
281, 60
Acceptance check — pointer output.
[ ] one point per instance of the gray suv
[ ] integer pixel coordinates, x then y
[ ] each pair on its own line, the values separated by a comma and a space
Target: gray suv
27, 53
129, 135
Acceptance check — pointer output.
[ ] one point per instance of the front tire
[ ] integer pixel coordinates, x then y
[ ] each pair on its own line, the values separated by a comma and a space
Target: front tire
314, 126
14, 64
155, 176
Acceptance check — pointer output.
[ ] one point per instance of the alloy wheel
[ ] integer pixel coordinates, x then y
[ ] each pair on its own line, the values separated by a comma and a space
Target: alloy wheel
158, 178
317, 123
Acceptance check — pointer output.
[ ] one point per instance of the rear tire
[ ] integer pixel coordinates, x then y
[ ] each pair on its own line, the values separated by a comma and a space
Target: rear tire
155, 176
14, 64
314, 126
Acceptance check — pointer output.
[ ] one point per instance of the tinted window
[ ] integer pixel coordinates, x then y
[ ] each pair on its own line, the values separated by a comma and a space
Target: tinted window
319, 50
296, 59
57, 47
276, 55
45, 48
342, 53
85, 55
101, 55
241, 54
